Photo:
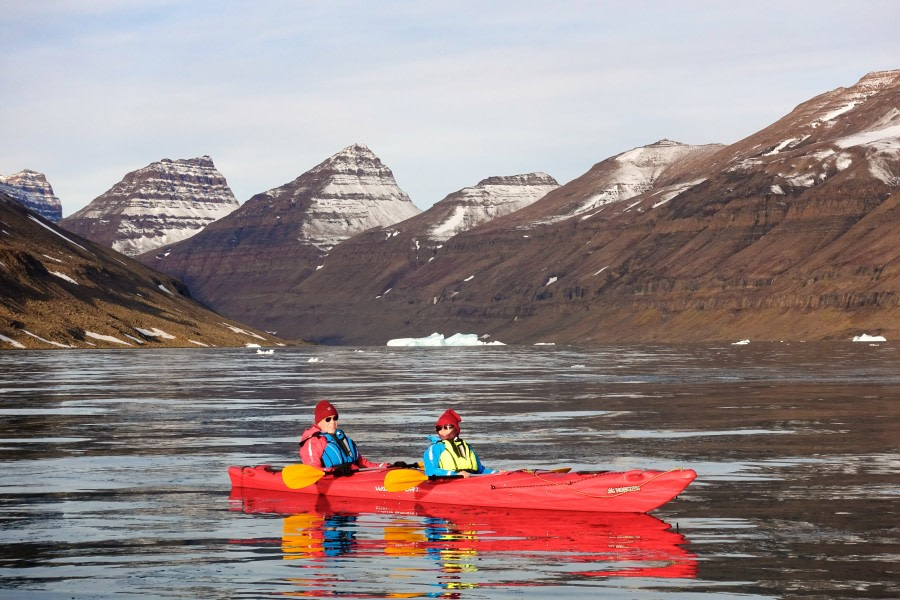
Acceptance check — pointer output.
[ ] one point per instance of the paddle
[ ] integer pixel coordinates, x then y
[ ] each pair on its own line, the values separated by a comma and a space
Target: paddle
403, 479
299, 476
398, 480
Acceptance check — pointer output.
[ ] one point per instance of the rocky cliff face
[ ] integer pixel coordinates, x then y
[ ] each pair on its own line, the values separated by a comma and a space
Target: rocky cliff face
58, 290
33, 191
241, 264
162, 203
788, 234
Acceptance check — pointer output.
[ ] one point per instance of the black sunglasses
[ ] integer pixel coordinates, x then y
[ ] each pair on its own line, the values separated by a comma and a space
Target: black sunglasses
439, 427
330, 419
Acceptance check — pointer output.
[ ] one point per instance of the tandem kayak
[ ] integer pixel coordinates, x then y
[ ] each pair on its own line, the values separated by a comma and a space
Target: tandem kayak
633, 491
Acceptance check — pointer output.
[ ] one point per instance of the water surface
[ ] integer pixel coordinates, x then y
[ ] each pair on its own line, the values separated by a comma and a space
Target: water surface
114, 472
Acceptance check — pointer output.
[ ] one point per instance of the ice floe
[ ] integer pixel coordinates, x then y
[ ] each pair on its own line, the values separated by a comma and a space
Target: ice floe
869, 338
438, 339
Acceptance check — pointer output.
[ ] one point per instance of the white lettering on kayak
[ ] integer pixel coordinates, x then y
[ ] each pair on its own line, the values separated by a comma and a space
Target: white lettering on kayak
623, 490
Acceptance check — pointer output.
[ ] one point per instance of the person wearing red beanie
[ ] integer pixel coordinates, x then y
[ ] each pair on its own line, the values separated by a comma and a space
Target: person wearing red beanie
324, 446
448, 454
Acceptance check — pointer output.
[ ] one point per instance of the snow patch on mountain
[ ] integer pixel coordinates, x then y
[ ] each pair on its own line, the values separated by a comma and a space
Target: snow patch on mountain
668, 192
490, 198
632, 173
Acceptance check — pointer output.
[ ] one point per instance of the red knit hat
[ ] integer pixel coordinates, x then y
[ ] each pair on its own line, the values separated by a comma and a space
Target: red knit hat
449, 418
325, 409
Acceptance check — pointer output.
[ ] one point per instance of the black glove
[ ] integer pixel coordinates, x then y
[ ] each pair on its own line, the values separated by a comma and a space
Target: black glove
342, 470
403, 465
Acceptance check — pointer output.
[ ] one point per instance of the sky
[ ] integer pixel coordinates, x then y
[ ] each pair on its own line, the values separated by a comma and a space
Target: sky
445, 93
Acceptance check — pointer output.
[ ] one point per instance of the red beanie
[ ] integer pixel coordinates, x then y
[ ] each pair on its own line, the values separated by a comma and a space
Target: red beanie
325, 409
449, 418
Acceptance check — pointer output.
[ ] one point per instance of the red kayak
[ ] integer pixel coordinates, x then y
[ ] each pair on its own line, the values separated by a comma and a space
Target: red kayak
595, 544
629, 492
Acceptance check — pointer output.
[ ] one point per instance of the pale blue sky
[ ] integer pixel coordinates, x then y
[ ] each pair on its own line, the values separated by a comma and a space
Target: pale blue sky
445, 93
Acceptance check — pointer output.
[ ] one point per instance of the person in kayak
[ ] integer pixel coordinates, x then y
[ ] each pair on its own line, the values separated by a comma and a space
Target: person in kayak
324, 446
449, 454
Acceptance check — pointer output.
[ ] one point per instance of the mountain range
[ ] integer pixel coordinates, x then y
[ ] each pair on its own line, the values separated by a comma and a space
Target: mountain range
787, 234
244, 261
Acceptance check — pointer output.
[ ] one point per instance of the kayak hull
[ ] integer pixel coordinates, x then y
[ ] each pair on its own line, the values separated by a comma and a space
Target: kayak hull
634, 491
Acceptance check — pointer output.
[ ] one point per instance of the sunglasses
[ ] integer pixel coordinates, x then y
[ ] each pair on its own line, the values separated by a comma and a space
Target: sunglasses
330, 419
440, 427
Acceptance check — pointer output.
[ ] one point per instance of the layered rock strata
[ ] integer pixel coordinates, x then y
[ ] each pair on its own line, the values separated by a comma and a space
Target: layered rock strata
162, 203
34, 192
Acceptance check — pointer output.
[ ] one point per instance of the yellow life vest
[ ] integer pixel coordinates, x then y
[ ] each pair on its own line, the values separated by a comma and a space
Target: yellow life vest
457, 456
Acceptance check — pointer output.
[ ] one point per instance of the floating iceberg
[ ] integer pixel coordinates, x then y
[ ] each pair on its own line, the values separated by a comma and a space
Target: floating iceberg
869, 338
438, 339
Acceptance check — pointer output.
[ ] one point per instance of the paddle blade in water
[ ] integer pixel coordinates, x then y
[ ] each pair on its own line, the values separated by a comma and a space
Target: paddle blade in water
402, 479
300, 476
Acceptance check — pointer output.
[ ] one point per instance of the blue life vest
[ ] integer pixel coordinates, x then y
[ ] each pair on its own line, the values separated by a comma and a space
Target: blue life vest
340, 449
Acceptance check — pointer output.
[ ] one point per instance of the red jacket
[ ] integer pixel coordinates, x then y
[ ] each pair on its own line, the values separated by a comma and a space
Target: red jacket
312, 446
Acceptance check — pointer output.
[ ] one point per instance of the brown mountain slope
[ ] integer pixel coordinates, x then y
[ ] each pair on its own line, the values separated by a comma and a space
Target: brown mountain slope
58, 290
788, 234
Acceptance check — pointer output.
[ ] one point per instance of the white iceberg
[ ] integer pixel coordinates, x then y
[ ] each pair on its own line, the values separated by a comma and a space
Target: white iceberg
869, 338
438, 339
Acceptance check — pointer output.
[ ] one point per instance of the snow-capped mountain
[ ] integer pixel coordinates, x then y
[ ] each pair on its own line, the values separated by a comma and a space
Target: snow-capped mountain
460, 211
490, 198
789, 234
162, 203
34, 191
344, 195
827, 135
657, 167
241, 263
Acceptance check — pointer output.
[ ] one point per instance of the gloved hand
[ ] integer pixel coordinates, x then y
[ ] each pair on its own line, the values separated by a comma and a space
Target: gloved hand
342, 470
403, 465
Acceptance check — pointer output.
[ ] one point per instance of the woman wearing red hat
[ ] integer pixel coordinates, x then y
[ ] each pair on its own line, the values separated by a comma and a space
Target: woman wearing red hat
448, 453
324, 446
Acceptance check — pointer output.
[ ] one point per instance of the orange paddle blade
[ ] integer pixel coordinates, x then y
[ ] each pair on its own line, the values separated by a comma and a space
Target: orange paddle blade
398, 480
300, 476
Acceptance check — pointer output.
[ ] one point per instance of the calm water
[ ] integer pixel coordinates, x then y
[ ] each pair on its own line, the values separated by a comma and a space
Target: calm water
114, 472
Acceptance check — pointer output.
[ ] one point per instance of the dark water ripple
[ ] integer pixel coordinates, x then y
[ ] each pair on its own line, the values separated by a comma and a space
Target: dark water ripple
114, 479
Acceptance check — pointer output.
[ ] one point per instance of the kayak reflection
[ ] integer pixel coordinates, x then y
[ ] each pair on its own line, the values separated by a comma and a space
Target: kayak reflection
457, 538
